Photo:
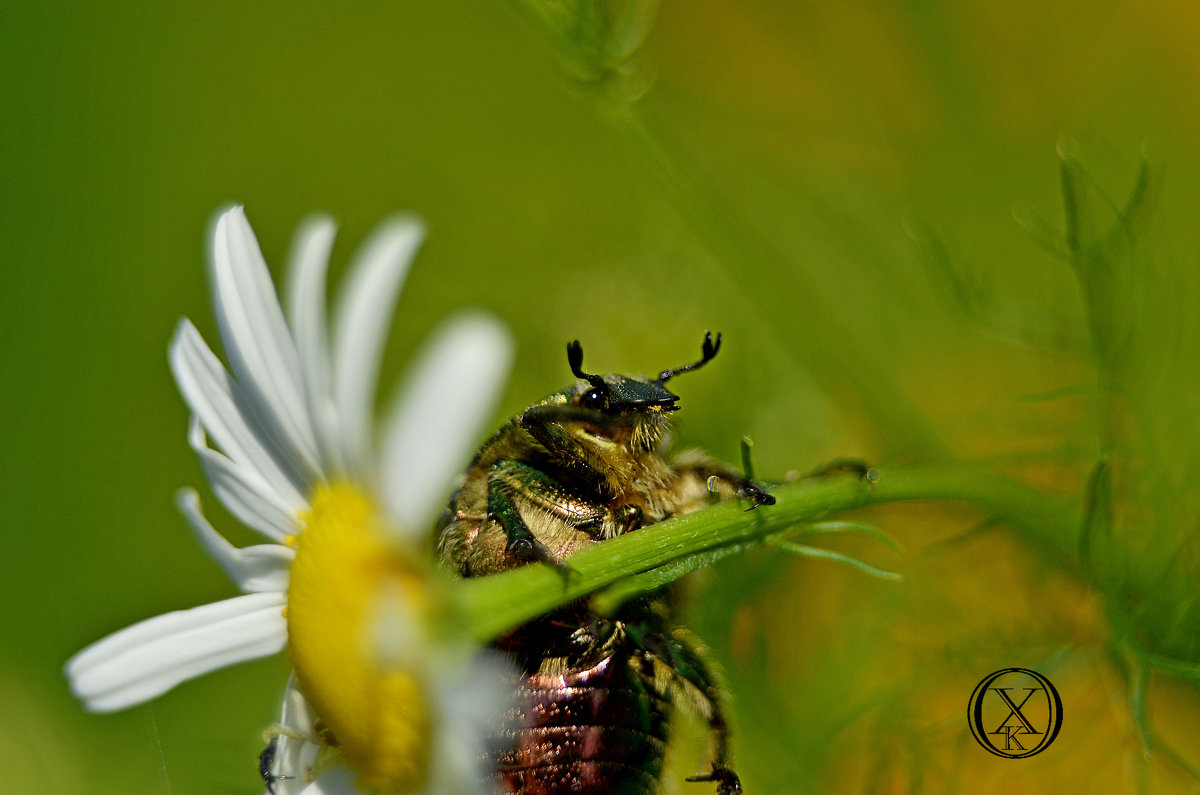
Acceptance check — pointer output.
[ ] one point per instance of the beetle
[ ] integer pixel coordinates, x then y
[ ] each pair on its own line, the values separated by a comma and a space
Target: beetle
584, 465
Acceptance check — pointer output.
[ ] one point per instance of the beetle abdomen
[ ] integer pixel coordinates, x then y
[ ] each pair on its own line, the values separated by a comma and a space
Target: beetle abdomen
595, 731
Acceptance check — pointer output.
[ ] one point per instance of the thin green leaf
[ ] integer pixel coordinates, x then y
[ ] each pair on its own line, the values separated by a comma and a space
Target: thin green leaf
628, 31
1080, 236
1042, 233
1097, 521
1139, 691
1172, 666
1178, 758
747, 462
1135, 648
829, 554
967, 297
832, 527
1141, 201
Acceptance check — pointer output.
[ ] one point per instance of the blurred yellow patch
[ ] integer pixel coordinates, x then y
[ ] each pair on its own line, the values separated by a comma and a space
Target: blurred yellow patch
376, 713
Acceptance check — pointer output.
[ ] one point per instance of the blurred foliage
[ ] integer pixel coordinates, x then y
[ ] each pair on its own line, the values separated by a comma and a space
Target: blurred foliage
957, 234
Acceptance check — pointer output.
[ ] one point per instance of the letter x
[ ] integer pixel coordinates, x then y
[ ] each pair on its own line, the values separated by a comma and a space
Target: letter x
1015, 710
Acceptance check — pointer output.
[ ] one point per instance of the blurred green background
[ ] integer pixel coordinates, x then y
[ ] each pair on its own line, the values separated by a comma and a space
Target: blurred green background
865, 197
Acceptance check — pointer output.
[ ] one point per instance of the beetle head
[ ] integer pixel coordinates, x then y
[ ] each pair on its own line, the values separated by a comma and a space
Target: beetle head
623, 395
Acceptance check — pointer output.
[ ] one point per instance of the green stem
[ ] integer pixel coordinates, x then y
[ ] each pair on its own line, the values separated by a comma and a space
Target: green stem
497, 603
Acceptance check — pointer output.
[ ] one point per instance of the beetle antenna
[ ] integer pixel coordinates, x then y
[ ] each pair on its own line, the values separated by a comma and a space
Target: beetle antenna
575, 359
707, 351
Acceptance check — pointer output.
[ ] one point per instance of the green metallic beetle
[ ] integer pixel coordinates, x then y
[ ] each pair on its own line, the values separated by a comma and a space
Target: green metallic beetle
585, 465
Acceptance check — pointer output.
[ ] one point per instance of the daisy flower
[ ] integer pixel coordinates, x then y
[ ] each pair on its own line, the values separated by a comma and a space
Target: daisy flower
385, 694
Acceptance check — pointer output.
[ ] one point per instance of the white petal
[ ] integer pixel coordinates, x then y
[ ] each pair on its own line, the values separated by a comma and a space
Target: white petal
436, 423
215, 399
337, 781
471, 694
147, 659
364, 313
265, 567
261, 352
306, 309
243, 491
294, 754
296, 713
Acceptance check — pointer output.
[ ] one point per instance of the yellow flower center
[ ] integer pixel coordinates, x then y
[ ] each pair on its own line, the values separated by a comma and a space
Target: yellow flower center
375, 709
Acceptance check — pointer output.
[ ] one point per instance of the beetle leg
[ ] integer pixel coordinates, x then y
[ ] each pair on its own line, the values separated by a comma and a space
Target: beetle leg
748, 489
856, 466
722, 479
521, 542
728, 782
266, 765
513, 483
544, 423
693, 677
630, 518
529, 485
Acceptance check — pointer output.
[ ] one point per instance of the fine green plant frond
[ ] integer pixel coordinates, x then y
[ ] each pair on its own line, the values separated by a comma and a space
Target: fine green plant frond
1105, 256
1129, 218
1042, 232
1083, 243
595, 40
1128, 642
1137, 672
1131, 545
971, 295
966, 292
